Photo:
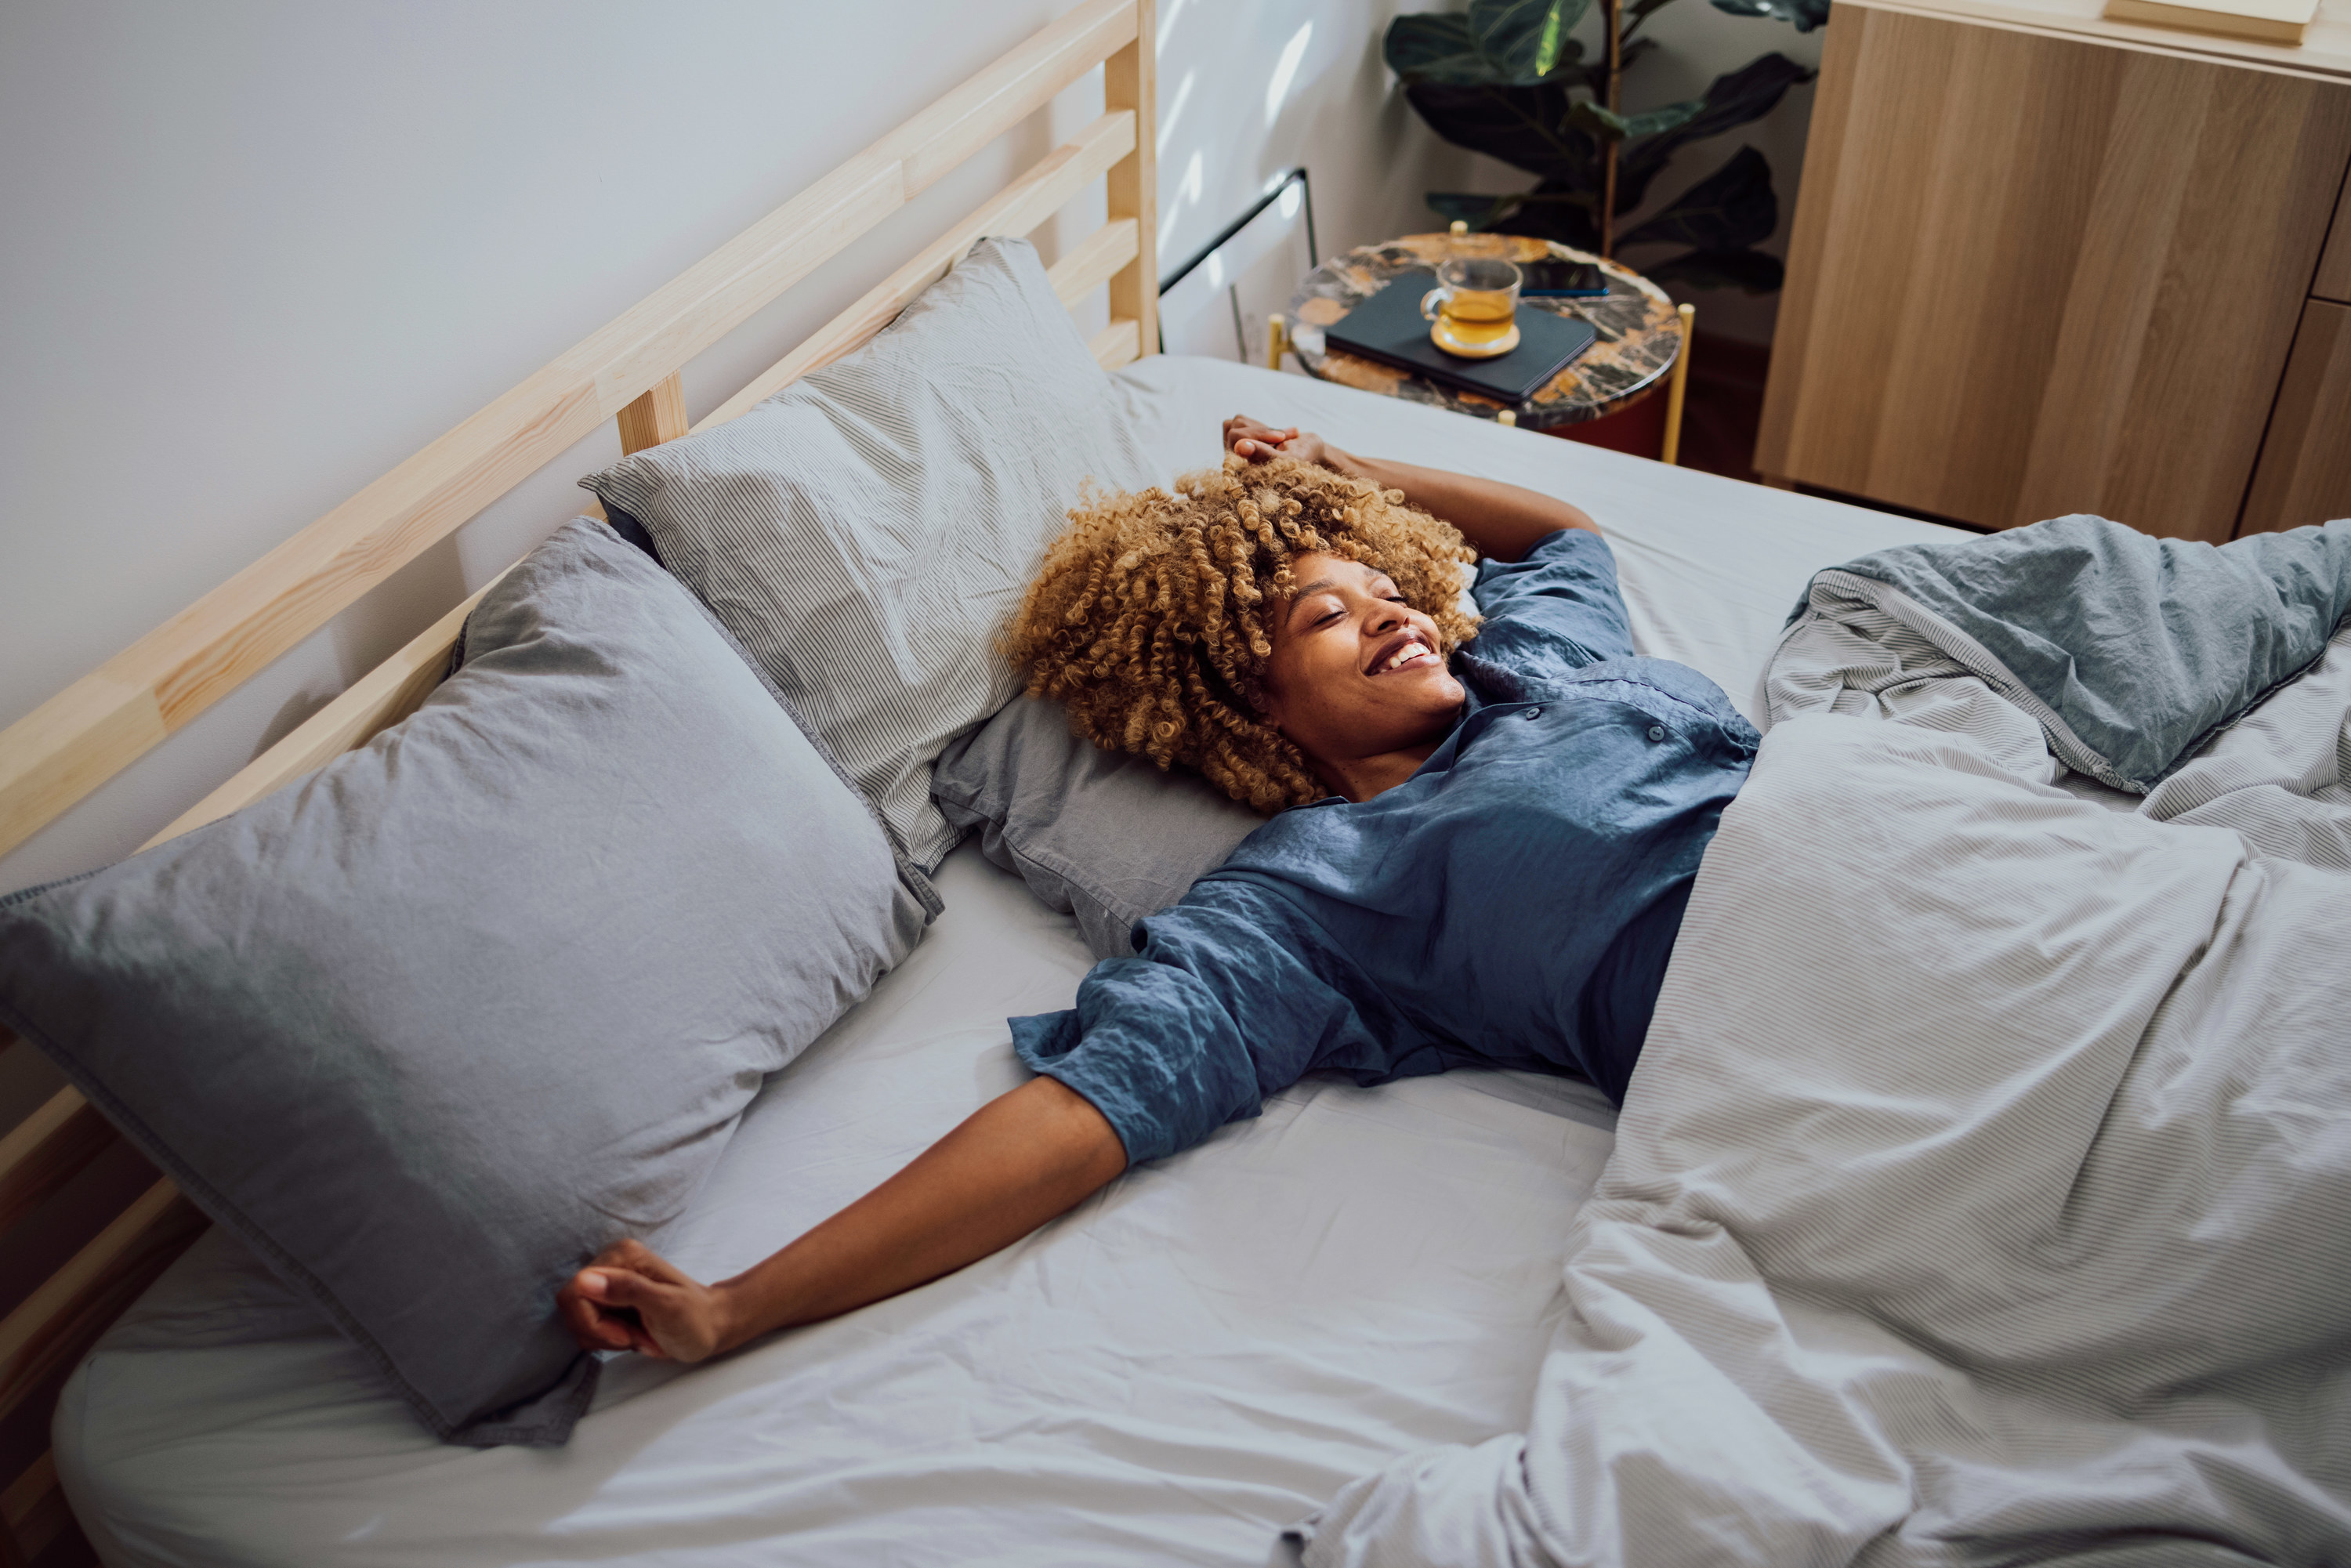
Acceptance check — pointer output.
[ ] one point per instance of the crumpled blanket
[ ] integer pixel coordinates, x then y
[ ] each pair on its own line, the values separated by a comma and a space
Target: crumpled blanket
1983, 1194
2124, 653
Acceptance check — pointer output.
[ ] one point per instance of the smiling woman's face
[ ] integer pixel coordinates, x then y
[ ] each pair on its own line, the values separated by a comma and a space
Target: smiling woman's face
1355, 671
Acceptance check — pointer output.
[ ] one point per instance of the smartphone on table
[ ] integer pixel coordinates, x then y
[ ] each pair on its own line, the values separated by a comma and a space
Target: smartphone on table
1552, 276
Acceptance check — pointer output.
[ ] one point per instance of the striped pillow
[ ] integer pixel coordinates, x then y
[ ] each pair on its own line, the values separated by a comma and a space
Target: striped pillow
867, 532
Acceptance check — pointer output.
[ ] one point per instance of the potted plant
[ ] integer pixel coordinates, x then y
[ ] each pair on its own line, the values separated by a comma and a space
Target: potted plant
1505, 77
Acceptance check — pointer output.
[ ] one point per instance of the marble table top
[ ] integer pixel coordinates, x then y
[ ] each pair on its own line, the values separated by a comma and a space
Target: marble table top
1639, 333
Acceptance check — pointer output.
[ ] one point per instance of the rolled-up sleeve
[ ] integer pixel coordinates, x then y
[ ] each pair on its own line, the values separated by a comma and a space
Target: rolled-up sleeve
1556, 610
1231, 999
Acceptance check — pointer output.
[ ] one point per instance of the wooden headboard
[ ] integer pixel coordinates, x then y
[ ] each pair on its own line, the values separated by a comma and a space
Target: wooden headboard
627, 370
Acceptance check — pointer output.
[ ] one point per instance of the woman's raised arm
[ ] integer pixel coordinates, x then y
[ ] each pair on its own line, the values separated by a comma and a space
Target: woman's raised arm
1503, 521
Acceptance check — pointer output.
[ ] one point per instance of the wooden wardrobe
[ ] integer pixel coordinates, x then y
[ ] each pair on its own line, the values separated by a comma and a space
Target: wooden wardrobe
2046, 263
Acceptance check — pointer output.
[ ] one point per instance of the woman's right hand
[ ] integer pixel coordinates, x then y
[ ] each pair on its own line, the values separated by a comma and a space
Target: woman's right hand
1256, 440
631, 1298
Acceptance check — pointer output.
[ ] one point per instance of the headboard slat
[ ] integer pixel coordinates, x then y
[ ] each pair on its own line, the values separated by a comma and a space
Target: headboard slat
1099, 257
1130, 83
656, 417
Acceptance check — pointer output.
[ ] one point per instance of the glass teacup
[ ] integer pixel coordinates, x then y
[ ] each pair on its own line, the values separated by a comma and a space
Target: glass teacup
1474, 308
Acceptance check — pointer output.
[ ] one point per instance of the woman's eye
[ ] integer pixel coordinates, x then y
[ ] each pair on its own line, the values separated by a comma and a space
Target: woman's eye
1326, 619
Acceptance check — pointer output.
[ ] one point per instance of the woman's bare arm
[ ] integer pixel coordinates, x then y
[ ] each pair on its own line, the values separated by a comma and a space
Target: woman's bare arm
1503, 521
1017, 1162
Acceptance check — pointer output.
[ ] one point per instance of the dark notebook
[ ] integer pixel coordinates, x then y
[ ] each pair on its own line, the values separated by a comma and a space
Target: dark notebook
1389, 328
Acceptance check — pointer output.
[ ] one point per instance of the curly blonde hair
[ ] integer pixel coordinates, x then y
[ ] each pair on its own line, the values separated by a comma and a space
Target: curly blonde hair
1150, 617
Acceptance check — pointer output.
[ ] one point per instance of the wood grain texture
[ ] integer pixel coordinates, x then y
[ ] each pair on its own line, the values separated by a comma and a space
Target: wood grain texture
654, 418
1038, 194
2333, 278
2323, 55
1130, 83
2304, 473
63, 750
64, 1316
47, 1149
2031, 277
1117, 344
1095, 260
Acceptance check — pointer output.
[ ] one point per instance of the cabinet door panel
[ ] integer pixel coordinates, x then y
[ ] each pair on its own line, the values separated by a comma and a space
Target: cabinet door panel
2334, 279
2304, 475
2031, 276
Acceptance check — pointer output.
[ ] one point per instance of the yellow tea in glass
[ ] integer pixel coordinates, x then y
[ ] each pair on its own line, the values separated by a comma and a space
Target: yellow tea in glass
1474, 308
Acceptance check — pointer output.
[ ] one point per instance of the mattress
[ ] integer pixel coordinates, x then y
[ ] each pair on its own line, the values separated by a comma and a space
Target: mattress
1200, 1354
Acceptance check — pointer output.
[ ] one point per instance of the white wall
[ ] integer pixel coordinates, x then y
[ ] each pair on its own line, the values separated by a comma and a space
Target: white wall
257, 251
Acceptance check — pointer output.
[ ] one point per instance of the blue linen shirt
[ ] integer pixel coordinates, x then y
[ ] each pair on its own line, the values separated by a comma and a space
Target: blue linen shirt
1512, 904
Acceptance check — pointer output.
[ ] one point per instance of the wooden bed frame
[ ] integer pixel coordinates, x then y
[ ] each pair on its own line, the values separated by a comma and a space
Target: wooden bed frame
627, 370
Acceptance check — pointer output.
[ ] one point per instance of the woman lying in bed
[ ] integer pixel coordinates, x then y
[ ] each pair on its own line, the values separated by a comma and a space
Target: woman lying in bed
1494, 828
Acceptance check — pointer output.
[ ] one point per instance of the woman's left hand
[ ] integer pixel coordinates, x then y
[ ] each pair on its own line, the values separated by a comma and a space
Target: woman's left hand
1248, 438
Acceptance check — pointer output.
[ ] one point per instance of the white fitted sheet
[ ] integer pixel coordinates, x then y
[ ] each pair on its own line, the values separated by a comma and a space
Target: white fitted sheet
1199, 1354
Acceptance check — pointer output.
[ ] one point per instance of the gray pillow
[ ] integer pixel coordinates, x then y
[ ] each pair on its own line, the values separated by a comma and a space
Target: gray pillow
1103, 835
429, 1026
868, 531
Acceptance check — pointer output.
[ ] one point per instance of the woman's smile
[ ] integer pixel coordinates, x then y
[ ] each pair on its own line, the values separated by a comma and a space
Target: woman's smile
1409, 649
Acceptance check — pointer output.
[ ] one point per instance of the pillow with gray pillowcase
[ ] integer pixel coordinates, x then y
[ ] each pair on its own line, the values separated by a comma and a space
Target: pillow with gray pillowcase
866, 532
430, 1027
1103, 835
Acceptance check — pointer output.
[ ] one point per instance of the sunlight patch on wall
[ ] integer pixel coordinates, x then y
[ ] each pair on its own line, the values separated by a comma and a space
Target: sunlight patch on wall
1285, 71
1187, 195
1166, 25
1175, 108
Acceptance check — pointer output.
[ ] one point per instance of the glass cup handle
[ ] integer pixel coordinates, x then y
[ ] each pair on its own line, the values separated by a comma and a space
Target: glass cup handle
1437, 293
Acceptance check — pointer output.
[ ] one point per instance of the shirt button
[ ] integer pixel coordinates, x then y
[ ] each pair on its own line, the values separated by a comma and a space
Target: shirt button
1533, 713
1657, 732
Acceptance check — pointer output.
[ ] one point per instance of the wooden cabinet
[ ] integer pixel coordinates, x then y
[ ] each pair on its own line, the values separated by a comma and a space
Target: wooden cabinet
2034, 274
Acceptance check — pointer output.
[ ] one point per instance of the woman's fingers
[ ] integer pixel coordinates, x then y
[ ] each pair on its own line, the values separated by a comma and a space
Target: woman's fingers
627, 1298
591, 1324
1249, 438
631, 1298
638, 1258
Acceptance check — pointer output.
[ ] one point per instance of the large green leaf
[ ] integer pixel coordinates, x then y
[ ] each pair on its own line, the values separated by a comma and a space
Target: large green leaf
1497, 43
1731, 209
1528, 127
1751, 271
1524, 37
1435, 47
1805, 14
1610, 126
1737, 99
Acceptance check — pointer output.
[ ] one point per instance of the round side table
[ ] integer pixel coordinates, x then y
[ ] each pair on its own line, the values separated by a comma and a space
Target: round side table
1639, 329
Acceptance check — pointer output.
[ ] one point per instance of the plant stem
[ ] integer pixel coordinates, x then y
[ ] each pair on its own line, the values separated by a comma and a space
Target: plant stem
1611, 16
